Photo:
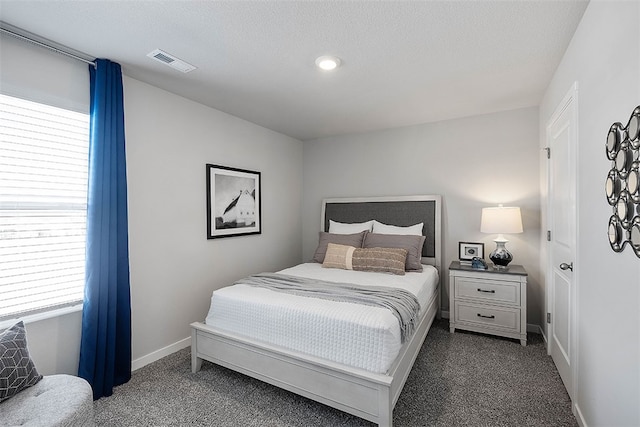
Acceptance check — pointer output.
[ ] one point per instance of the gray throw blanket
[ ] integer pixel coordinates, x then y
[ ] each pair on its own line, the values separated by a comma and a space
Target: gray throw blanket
402, 303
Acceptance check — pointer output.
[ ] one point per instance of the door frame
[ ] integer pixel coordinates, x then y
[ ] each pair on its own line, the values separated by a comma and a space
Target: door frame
570, 100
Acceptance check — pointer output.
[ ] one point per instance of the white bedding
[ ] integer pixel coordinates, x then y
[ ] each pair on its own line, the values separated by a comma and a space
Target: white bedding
351, 334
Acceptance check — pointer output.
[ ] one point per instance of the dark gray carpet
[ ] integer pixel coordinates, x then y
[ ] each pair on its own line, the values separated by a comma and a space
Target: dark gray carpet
461, 379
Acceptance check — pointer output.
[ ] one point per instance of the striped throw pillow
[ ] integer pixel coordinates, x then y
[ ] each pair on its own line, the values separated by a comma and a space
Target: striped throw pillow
381, 260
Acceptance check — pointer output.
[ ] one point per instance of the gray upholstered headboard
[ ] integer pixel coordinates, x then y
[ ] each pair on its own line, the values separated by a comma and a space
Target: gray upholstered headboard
402, 211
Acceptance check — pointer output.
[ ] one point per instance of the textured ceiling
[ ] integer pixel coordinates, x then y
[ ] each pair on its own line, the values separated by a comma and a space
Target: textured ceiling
403, 63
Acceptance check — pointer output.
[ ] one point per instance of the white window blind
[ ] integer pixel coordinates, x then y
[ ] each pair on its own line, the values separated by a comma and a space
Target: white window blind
43, 206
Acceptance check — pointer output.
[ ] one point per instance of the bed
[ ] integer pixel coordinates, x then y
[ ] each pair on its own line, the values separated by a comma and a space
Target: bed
343, 381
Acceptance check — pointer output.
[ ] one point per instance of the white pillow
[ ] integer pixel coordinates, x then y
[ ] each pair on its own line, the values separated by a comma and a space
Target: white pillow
345, 228
412, 230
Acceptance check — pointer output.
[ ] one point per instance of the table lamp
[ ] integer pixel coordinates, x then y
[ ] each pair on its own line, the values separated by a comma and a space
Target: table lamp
501, 220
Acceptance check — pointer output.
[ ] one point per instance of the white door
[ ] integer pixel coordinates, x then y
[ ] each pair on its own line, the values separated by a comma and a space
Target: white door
561, 141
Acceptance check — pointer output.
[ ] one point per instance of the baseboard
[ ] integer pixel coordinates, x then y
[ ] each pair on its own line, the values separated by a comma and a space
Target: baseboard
536, 329
578, 414
444, 314
544, 337
159, 354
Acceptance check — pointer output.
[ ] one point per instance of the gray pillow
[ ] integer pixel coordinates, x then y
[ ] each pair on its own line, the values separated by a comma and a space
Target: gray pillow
17, 370
340, 239
413, 245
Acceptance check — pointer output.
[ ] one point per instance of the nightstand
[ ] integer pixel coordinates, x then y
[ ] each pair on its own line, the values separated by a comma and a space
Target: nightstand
488, 301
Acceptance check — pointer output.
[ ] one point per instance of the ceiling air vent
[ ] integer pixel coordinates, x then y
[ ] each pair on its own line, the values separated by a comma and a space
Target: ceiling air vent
171, 61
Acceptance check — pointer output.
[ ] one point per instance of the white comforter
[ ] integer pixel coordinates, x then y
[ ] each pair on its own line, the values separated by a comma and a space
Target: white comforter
351, 334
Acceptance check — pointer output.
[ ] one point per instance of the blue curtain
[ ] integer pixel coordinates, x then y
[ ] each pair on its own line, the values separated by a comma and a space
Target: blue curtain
105, 348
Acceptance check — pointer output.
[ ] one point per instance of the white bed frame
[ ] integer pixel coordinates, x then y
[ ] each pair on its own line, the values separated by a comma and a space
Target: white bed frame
362, 393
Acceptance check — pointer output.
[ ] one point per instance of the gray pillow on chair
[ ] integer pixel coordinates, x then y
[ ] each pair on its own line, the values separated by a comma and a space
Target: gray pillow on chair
17, 370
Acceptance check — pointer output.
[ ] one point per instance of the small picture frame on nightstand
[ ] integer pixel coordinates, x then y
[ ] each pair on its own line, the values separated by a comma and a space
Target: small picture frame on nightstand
468, 250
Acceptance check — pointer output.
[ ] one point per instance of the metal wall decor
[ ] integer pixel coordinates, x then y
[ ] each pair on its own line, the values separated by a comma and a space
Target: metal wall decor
623, 183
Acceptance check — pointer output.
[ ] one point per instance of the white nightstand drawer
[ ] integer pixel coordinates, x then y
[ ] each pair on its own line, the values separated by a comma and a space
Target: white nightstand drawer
487, 290
488, 316
491, 301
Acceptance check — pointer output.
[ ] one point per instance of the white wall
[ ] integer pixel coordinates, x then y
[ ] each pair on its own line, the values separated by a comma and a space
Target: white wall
604, 58
66, 84
174, 268
472, 162
54, 344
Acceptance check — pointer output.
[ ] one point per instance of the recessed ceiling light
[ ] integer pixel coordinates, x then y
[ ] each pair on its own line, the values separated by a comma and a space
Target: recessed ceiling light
327, 62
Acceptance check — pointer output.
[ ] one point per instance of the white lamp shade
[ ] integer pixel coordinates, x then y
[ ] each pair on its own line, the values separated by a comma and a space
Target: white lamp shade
501, 220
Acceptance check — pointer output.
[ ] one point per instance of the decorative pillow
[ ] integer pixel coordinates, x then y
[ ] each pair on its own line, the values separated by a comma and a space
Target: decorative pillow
346, 228
341, 239
339, 256
413, 245
17, 370
413, 230
381, 260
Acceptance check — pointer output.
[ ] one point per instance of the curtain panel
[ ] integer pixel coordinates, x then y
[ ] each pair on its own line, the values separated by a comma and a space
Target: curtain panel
105, 349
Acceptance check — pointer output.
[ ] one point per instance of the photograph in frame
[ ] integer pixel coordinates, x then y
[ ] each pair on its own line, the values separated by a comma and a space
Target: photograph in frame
233, 202
468, 250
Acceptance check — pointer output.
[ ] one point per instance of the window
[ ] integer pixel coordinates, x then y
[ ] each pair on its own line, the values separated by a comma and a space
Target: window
43, 206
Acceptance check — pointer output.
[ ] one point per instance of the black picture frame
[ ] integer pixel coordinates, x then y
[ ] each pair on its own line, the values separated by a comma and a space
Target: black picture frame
468, 250
234, 202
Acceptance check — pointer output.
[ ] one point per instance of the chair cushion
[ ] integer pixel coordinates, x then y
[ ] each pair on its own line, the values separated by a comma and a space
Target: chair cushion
57, 400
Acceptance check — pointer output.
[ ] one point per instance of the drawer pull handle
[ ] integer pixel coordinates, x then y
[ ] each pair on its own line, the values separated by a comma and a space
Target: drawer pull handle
486, 317
492, 291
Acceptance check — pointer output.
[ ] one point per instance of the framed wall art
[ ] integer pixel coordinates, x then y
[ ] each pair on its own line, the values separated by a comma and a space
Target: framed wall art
233, 202
468, 250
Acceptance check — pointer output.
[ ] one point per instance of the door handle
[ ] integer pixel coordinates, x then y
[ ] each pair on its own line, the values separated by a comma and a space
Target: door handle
565, 266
